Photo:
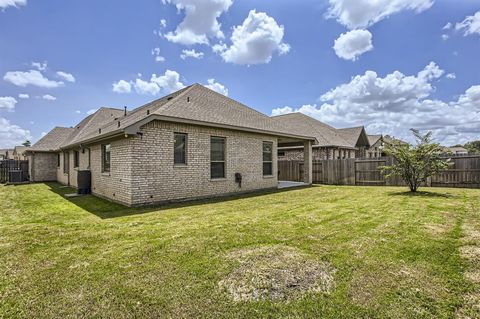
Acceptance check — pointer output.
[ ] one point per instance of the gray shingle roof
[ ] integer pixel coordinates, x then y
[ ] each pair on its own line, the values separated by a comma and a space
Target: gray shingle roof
355, 136
92, 123
326, 135
53, 140
372, 139
194, 103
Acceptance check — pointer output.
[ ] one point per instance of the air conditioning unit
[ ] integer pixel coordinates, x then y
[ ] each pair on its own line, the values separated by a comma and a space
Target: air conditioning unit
15, 176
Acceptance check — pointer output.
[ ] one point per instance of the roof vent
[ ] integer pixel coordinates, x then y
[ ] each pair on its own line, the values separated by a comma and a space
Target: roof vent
118, 123
169, 98
188, 99
125, 111
99, 131
148, 112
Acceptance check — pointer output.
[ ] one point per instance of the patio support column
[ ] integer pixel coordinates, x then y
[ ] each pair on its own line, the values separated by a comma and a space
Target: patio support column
307, 162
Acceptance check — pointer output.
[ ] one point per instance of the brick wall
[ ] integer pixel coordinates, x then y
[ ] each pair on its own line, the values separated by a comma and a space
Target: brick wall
157, 179
42, 167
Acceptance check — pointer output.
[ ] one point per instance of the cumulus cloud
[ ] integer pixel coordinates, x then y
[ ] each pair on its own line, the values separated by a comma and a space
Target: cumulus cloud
12, 3
191, 54
447, 26
40, 66
396, 102
445, 37
364, 13
23, 95
66, 76
352, 44
7, 103
122, 86
470, 25
49, 97
200, 21
11, 135
163, 23
32, 77
254, 41
156, 54
451, 76
217, 87
166, 83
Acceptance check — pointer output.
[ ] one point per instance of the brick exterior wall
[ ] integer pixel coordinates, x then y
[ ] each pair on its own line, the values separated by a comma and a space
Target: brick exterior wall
157, 179
42, 167
142, 169
319, 153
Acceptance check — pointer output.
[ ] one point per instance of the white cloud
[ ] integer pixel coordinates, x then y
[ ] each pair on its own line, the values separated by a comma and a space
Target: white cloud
191, 54
445, 37
78, 112
32, 77
156, 54
255, 41
49, 97
40, 66
122, 86
91, 111
200, 21
163, 23
11, 135
217, 87
66, 76
364, 13
23, 96
12, 3
395, 103
451, 76
166, 83
448, 26
7, 103
144, 87
470, 25
352, 44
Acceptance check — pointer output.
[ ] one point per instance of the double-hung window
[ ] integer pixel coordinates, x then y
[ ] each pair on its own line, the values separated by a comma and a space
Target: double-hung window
267, 159
180, 149
106, 158
76, 158
66, 160
217, 157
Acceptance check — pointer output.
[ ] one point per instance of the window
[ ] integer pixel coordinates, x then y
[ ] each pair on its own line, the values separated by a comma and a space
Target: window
281, 153
58, 160
76, 158
217, 157
106, 158
65, 162
180, 149
267, 158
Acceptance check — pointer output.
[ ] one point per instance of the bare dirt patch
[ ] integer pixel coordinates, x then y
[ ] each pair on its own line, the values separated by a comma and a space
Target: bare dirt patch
470, 252
276, 273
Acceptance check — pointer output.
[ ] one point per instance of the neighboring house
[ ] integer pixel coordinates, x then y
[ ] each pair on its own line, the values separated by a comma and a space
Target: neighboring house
376, 146
332, 143
457, 150
190, 144
19, 153
3, 154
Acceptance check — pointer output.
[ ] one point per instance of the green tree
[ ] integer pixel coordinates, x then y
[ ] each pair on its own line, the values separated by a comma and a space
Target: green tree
414, 164
473, 147
27, 143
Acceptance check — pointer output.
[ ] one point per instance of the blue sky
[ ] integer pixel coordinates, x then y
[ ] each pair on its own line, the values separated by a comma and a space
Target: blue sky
389, 65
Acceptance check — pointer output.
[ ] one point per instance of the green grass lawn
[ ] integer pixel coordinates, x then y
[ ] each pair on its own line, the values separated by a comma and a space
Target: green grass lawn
335, 252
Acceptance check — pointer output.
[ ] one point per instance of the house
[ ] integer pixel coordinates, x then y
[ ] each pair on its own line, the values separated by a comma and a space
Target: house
19, 153
193, 143
332, 143
457, 150
3, 154
376, 146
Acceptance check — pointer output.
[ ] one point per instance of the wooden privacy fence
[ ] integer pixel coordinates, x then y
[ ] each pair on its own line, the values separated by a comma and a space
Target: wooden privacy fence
464, 171
12, 165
